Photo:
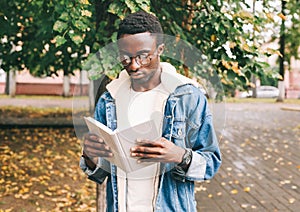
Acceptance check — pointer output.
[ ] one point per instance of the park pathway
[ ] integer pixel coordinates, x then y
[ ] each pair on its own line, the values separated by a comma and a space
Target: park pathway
261, 161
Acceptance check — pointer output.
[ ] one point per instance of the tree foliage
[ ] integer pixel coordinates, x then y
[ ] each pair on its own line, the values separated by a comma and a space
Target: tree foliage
46, 36
293, 30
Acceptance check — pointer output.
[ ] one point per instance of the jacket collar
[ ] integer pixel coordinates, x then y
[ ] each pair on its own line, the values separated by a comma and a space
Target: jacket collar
169, 78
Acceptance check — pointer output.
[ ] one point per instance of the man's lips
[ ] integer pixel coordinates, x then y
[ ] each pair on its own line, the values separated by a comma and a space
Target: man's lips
135, 73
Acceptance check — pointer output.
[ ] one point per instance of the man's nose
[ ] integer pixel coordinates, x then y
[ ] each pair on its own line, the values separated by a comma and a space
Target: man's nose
134, 65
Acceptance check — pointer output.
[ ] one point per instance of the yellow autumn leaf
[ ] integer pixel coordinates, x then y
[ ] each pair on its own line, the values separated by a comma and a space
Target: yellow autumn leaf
234, 191
24, 190
18, 196
246, 47
84, 2
6, 210
213, 38
48, 193
247, 189
28, 184
235, 68
245, 14
53, 188
226, 64
283, 17
273, 51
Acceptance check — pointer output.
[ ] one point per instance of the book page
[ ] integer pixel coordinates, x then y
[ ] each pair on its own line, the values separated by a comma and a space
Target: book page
110, 139
128, 137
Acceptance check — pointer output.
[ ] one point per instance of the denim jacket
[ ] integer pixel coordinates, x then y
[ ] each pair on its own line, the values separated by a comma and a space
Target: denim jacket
188, 123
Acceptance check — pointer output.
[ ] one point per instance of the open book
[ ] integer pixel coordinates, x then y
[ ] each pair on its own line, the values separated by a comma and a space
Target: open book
121, 141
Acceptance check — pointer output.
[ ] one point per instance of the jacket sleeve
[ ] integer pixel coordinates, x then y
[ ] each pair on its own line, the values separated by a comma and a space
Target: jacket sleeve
206, 153
102, 169
200, 137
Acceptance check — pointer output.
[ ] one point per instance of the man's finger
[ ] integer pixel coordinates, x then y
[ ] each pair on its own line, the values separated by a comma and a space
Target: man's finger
91, 152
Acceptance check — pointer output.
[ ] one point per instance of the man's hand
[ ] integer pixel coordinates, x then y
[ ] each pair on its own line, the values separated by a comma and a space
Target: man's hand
94, 147
160, 150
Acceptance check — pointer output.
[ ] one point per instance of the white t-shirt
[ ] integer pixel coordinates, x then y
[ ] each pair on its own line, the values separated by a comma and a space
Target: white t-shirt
137, 190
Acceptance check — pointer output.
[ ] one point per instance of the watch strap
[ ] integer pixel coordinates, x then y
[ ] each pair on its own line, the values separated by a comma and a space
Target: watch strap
186, 160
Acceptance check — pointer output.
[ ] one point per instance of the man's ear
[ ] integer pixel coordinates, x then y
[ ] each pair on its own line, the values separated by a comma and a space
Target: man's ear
160, 49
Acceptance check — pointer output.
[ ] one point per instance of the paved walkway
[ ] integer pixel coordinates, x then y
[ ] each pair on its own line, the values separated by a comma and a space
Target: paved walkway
45, 101
261, 164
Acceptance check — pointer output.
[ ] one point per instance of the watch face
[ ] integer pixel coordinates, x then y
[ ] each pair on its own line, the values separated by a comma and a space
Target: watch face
188, 159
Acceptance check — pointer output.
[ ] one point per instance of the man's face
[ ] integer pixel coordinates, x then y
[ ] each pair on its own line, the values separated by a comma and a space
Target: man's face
140, 56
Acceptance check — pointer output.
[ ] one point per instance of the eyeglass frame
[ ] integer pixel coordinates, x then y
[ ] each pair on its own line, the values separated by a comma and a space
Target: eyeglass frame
138, 61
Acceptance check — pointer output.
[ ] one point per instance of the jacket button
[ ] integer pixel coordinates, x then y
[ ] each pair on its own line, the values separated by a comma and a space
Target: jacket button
179, 132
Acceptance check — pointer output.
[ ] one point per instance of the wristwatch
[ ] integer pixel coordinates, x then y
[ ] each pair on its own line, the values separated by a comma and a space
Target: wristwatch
186, 160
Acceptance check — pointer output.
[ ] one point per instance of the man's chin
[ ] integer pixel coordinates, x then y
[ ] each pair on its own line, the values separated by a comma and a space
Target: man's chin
139, 79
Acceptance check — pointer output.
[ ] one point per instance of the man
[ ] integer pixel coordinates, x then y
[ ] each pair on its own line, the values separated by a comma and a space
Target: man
152, 90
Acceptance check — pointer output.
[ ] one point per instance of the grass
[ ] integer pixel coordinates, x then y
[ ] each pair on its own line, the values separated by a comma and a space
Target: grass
33, 112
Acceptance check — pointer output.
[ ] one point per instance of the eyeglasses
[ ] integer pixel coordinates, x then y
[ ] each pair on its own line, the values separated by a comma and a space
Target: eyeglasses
142, 59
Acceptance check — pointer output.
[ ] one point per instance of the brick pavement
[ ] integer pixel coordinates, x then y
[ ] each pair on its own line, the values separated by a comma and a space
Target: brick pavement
261, 163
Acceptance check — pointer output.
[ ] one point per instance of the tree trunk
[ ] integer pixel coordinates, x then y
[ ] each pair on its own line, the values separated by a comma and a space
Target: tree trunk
281, 59
66, 86
91, 96
12, 83
281, 89
7, 83
254, 89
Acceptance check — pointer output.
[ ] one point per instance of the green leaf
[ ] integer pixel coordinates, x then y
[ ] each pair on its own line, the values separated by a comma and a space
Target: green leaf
114, 8
118, 9
59, 40
80, 25
60, 26
76, 38
131, 5
64, 16
248, 74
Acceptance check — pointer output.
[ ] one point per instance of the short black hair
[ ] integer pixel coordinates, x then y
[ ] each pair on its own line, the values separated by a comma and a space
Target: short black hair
140, 22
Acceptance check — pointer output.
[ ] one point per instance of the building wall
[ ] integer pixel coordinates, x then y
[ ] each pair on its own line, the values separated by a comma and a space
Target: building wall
293, 88
49, 89
26, 84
